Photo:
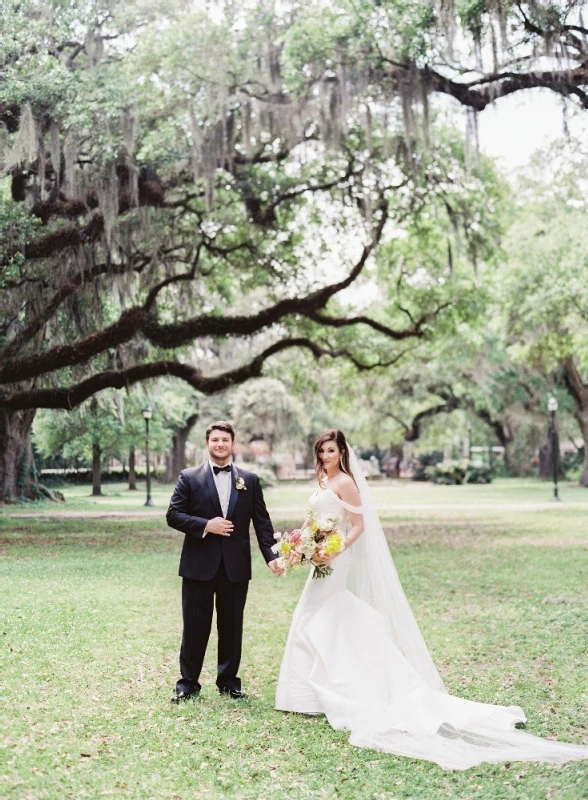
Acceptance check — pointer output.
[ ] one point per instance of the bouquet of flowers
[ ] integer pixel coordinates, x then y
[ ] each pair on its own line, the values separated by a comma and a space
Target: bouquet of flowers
304, 546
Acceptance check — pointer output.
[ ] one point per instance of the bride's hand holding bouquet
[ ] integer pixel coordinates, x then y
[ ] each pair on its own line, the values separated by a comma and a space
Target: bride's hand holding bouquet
316, 543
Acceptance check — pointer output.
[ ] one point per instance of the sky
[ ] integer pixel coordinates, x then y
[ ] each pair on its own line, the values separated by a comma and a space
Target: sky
514, 127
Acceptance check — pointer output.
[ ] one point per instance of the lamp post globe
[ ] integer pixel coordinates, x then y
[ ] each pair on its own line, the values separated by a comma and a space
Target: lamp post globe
552, 406
147, 414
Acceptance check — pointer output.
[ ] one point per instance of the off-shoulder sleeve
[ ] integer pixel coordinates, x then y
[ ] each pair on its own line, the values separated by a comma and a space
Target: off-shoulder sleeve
353, 509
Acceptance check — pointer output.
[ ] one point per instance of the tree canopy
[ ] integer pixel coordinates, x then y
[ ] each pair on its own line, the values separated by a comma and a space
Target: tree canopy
177, 183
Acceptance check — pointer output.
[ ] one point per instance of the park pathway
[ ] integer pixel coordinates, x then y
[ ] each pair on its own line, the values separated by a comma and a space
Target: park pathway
294, 511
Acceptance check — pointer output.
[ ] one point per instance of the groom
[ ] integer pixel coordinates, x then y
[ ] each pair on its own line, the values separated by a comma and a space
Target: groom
214, 505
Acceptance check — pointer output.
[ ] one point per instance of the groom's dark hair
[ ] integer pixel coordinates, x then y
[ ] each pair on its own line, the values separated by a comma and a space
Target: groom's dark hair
220, 425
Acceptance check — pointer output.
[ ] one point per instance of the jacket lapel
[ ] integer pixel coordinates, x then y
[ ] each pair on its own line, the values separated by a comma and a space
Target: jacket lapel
234, 493
212, 489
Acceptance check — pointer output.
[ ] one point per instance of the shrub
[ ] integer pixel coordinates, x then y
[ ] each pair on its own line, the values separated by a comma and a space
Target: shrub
425, 463
456, 473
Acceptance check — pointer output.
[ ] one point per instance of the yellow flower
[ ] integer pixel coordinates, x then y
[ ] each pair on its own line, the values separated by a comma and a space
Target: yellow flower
286, 547
333, 544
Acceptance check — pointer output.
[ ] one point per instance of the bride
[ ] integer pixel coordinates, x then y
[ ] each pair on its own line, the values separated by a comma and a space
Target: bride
355, 652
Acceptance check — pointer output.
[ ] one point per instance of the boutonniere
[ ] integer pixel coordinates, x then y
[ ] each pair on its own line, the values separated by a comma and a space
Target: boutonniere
240, 483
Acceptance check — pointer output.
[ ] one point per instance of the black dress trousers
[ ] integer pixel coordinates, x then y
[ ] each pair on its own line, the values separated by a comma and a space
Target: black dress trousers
198, 598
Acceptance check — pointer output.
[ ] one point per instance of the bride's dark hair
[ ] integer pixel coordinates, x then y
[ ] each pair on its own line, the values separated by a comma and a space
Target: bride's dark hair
336, 436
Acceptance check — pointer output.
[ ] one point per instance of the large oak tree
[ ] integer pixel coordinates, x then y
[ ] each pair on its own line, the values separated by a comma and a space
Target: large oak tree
172, 178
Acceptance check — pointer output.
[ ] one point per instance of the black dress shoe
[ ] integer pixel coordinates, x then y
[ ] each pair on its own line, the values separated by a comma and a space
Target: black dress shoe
183, 696
236, 694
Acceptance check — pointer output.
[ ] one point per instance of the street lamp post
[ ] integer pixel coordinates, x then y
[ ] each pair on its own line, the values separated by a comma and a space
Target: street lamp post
552, 406
147, 414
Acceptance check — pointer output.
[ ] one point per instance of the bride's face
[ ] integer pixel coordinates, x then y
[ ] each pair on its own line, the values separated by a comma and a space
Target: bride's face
329, 455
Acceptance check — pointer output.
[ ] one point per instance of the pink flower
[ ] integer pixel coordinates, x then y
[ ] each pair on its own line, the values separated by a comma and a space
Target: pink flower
295, 536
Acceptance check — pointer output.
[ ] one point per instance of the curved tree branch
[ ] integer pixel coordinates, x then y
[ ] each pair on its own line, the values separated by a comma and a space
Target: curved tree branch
452, 402
361, 366
184, 276
72, 396
25, 367
141, 320
415, 331
413, 431
269, 215
65, 291
65, 237
574, 383
501, 428
481, 93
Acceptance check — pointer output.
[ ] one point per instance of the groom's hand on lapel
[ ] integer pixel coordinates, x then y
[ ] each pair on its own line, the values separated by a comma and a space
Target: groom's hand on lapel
220, 526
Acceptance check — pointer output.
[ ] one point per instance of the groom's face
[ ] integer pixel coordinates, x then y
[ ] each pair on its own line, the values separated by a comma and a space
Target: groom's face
220, 446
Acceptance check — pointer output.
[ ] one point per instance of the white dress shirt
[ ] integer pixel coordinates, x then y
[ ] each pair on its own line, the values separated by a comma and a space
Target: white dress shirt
223, 485
223, 482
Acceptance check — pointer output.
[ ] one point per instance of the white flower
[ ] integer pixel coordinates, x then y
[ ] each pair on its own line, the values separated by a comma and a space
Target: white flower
275, 548
277, 536
307, 549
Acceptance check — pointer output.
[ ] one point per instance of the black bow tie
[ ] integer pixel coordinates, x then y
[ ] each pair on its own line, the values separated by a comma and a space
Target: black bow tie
216, 470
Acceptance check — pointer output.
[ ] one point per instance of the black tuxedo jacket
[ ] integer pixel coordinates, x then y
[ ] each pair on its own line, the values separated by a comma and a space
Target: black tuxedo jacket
195, 500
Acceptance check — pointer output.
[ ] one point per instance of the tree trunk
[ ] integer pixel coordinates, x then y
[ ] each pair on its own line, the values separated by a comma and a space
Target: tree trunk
96, 470
15, 438
132, 473
582, 417
505, 436
30, 480
506, 457
181, 439
579, 392
175, 460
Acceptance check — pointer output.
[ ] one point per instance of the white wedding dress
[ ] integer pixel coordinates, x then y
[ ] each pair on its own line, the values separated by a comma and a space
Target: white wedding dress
345, 659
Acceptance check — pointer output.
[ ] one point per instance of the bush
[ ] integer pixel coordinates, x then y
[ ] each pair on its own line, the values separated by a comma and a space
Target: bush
84, 476
479, 474
426, 462
266, 475
457, 473
573, 462
500, 470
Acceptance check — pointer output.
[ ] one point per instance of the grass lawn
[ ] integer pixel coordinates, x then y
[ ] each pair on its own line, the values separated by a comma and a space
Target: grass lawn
91, 624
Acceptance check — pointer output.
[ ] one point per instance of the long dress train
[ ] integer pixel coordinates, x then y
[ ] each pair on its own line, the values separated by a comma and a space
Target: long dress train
341, 661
